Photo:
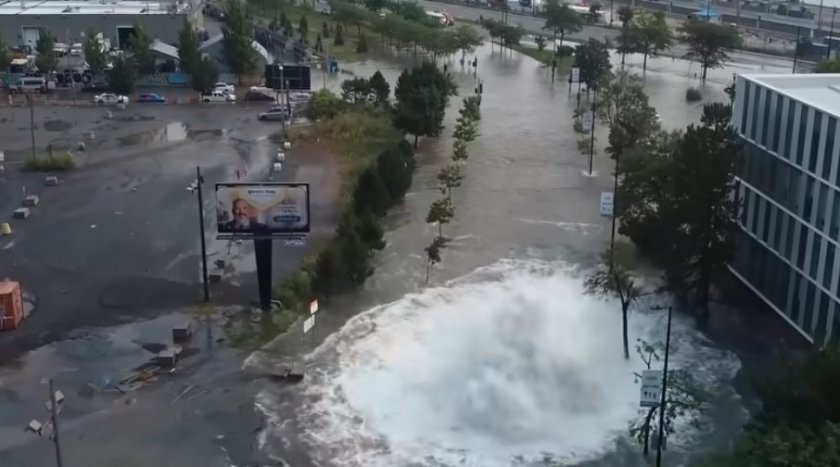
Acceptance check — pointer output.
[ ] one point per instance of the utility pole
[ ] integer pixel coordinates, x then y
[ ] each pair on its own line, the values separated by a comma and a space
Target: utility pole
663, 400
615, 198
54, 416
831, 33
199, 182
592, 133
31, 122
50, 425
796, 49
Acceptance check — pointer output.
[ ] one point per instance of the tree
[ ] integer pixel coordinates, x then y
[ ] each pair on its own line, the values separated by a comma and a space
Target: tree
471, 108
141, 51
375, 6
370, 230
189, 54
328, 269
561, 19
441, 212
625, 108
449, 177
45, 47
355, 255
613, 279
465, 130
459, 151
325, 30
422, 94
466, 39
653, 36
540, 41
380, 87
594, 13
828, 66
123, 76
4, 57
323, 104
707, 42
238, 33
433, 254
204, 75
94, 55
684, 399
395, 169
346, 13
371, 193
339, 37
319, 43
303, 28
356, 90
593, 59
625, 40
362, 45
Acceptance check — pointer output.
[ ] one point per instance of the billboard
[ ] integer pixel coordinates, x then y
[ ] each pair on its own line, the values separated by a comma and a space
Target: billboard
298, 77
254, 210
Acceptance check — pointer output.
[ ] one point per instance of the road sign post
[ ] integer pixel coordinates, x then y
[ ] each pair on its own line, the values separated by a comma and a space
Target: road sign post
607, 203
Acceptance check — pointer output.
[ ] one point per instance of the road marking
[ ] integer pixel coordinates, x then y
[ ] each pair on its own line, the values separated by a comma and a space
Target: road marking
8, 246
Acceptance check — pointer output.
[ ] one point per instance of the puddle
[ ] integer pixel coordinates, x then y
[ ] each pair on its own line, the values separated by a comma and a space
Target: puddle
57, 125
134, 118
172, 133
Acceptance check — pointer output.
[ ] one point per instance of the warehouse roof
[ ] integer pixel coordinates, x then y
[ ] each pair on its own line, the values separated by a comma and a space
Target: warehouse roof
89, 7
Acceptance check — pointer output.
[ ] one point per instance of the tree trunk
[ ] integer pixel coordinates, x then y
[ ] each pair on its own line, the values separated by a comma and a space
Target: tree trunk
554, 41
562, 35
624, 331
428, 266
440, 229
644, 62
705, 69
416, 138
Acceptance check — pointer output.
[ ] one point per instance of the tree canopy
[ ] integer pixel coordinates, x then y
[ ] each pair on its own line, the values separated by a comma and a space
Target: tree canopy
707, 43
47, 59
141, 51
422, 94
94, 55
593, 60
123, 76
560, 19
189, 54
238, 34
204, 75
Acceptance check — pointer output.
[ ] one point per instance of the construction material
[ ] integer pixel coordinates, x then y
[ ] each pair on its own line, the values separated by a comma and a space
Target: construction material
21, 213
5, 229
183, 332
182, 394
31, 201
11, 305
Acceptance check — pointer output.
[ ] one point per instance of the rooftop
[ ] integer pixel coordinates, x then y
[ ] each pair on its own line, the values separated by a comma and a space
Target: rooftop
90, 7
820, 91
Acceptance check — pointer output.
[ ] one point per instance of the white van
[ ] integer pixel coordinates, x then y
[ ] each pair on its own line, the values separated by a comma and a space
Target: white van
29, 84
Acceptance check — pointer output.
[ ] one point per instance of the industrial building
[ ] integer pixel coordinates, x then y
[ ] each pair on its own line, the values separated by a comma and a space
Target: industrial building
789, 191
22, 21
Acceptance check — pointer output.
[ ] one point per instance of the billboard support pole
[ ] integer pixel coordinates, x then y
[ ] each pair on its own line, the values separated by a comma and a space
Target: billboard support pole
262, 251
199, 184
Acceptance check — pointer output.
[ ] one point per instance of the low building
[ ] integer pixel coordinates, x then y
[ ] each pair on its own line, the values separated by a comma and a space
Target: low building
21, 21
789, 191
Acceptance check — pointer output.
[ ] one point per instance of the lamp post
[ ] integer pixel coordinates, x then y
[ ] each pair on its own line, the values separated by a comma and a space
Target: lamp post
663, 400
592, 132
196, 186
54, 405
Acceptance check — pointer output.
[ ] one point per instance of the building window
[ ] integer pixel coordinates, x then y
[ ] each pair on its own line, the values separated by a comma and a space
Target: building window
803, 128
828, 153
756, 108
816, 130
803, 243
777, 123
745, 110
766, 120
794, 306
789, 129
828, 269
765, 230
835, 216
809, 199
759, 202
822, 319
777, 229
789, 238
808, 312
822, 200
816, 247
746, 207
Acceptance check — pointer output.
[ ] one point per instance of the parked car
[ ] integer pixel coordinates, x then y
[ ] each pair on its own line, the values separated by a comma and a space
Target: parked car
110, 98
275, 112
218, 96
225, 87
151, 97
29, 84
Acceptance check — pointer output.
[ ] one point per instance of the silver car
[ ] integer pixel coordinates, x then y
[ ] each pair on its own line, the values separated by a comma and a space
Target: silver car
277, 112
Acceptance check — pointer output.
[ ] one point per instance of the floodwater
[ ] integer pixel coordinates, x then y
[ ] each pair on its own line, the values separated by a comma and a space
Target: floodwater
501, 360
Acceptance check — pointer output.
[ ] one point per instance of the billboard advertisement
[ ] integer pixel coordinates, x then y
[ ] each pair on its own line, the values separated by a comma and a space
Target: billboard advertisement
249, 210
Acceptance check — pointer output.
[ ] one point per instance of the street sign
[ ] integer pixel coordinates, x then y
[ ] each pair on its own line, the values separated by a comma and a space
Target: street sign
297, 242
587, 121
651, 390
308, 323
575, 74
607, 203
313, 307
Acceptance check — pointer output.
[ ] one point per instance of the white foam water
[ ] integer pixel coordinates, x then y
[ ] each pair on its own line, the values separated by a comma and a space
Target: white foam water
510, 365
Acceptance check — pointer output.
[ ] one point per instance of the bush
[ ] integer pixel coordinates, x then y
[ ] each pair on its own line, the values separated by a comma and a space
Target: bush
323, 104
693, 95
339, 35
395, 170
565, 51
371, 193
578, 125
361, 45
55, 163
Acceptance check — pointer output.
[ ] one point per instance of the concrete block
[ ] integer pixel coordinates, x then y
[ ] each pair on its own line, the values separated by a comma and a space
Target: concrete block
31, 201
51, 180
21, 213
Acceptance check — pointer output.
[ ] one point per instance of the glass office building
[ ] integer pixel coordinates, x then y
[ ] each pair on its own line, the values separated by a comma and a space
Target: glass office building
789, 192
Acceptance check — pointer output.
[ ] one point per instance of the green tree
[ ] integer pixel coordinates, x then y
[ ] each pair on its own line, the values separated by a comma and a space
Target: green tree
433, 254
369, 228
459, 151
594, 13
381, 88
94, 55
238, 32
828, 66
422, 94
189, 54
707, 43
375, 6
395, 170
46, 60
303, 28
593, 59
624, 107
471, 108
371, 193
141, 51
465, 130
323, 104
625, 39
354, 254
328, 271
4, 56
560, 19
286, 25
123, 76
613, 279
346, 13
204, 75
362, 45
325, 30
653, 36
356, 90
339, 37
441, 212
466, 39
449, 177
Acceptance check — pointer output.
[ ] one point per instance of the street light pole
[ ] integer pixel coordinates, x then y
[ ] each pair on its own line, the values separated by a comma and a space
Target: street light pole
592, 133
31, 122
663, 401
199, 183
831, 33
796, 49
615, 198
54, 417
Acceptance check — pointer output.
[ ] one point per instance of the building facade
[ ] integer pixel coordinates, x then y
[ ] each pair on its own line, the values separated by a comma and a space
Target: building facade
789, 192
22, 21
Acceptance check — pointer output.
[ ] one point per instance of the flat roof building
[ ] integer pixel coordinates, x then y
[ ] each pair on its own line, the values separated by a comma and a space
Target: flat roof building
68, 21
789, 190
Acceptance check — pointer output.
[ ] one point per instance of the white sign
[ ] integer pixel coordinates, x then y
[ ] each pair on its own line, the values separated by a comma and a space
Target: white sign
308, 323
587, 121
651, 391
294, 242
607, 203
575, 74
313, 307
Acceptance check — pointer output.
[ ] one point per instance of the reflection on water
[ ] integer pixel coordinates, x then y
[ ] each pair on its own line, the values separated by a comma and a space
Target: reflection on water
171, 133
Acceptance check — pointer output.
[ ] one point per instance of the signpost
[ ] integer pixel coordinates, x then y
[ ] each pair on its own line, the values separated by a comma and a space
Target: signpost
587, 121
309, 322
575, 74
651, 389
607, 203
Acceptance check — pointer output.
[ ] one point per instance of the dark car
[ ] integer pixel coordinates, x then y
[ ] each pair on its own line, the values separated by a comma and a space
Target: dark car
151, 97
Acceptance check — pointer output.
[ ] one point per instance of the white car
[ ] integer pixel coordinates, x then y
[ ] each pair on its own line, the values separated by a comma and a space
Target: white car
225, 87
110, 98
218, 96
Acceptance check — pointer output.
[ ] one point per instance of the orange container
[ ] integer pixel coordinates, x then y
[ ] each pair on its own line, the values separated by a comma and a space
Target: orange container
11, 305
